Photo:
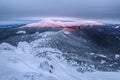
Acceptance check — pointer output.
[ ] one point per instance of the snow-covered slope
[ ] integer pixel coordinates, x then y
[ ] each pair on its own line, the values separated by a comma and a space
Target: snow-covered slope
33, 61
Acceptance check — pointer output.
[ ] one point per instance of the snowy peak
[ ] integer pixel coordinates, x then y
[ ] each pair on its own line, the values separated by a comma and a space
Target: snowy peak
61, 24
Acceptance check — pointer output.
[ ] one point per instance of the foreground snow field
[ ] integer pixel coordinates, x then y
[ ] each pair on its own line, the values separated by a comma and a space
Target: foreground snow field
30, 61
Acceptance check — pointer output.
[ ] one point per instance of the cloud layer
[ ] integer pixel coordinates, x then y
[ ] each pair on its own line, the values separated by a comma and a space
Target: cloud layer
70, 8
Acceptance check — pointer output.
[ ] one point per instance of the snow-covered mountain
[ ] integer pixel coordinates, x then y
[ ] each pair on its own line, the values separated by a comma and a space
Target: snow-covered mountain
28, 53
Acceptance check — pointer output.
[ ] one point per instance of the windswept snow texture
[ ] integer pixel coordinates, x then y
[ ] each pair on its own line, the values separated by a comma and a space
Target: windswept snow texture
53, 53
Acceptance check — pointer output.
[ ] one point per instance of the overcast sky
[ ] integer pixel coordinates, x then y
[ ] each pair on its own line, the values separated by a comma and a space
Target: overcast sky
11, 9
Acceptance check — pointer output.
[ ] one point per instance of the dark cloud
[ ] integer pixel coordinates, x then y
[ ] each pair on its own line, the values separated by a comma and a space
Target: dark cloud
11, 9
